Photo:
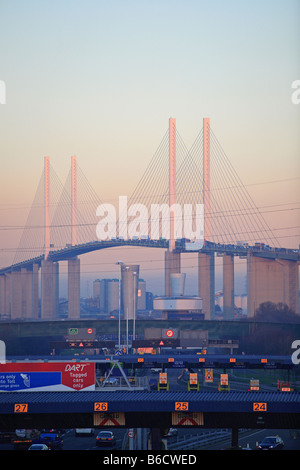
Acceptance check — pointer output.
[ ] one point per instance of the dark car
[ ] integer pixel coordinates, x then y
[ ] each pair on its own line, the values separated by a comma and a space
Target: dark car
105, 438
52, 440
271, 442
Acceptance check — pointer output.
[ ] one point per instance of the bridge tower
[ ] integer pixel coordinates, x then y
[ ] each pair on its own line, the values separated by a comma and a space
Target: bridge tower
47, 206
206, 261
49, 270
172, 259
206, 177
73, 200
74, 263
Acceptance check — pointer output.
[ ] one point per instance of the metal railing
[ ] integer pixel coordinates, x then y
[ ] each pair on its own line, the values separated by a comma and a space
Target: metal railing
199, 440
112, 383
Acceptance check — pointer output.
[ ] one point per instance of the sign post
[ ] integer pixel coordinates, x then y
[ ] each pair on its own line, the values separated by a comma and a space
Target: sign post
193, 383
163, 383
209, 378
224, 384
254, 384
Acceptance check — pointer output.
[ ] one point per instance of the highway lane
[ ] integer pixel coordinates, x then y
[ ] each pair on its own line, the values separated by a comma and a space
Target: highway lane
250, 439
72, 442
255, 436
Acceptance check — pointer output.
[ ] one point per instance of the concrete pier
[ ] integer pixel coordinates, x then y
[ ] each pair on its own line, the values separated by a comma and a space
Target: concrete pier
172, 265
271, 280
74, 288
206, 283
228, 287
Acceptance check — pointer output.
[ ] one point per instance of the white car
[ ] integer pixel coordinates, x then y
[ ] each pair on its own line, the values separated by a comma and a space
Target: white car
38, 447
84, 432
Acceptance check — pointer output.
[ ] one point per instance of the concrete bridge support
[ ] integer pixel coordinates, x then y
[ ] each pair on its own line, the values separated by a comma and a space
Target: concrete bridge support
16, 295
49, 289
74, 288
271, 280
35, 291
30, 292
19, 293
172, 265
228, 286
7, 294
206, 283
2, 295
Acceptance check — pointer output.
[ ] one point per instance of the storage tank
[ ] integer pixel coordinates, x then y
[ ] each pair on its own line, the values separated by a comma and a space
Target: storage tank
130, 282
177, 284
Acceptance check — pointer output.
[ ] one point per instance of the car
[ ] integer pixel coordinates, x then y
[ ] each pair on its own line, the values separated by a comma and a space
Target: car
38, 447
106, 438
84, 432
52, 440
271, 442
172, 432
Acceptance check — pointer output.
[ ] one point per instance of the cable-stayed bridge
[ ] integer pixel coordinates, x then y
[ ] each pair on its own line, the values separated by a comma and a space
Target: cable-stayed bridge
188, 200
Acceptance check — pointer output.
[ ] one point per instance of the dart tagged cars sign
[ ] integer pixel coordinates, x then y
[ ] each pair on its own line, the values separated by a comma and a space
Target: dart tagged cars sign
47, 376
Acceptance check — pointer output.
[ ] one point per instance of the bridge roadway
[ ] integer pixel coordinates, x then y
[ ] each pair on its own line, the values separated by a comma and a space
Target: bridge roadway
150, 409
174, 360
262, 251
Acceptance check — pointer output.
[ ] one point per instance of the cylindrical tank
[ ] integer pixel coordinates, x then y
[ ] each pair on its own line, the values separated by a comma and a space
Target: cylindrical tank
130, 282
177, 284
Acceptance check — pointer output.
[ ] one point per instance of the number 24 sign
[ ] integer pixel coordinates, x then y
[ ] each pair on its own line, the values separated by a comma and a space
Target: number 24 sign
259, 406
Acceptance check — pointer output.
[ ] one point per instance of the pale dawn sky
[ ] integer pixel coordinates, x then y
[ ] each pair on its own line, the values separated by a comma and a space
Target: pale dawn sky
100, 80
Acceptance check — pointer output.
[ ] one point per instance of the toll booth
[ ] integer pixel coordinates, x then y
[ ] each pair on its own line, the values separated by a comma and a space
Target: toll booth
163, 383
224, 383
193, 383
254, 385
209, 376
285, 387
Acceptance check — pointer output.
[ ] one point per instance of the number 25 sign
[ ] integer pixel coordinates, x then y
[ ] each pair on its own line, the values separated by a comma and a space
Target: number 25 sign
181, 405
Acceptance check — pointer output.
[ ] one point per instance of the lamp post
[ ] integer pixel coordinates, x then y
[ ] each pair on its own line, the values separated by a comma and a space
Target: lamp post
119, 341
127, 269
134, 303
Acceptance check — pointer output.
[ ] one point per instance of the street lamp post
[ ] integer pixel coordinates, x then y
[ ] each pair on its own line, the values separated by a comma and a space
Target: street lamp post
119, 341
134, 302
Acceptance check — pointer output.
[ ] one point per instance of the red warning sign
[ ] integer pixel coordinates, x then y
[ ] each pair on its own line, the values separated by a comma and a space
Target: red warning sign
209, 375
187, 419
109, 419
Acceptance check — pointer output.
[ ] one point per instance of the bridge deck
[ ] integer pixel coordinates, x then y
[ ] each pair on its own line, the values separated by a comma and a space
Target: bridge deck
148, 401
143, 409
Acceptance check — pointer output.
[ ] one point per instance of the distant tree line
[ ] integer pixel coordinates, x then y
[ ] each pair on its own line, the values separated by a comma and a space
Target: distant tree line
275, 327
